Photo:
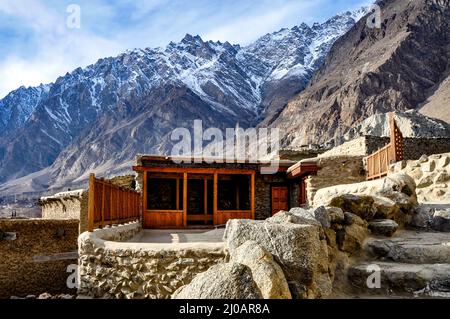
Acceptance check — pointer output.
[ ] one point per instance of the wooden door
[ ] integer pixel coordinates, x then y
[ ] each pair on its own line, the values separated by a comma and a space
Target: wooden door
280, 199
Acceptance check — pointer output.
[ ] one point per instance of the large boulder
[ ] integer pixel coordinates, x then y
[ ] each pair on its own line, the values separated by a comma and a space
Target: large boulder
399, 187
222, 281
266, 273
300, 250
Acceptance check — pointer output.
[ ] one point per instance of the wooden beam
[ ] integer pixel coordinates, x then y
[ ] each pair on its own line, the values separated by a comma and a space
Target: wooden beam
91, 204
252, 195
215, 194
197, 170
185, 190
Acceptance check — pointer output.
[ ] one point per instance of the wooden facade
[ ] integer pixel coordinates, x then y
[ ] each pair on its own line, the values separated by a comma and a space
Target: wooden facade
182, 210
199, 194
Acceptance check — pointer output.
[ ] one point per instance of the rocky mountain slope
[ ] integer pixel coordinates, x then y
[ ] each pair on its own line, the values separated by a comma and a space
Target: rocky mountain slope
101, 116
373, 70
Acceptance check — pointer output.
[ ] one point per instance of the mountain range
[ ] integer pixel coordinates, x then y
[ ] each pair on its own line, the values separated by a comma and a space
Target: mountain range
314, 82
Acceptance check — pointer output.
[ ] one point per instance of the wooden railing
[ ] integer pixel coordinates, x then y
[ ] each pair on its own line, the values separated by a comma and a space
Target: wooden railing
110, 204
378, 163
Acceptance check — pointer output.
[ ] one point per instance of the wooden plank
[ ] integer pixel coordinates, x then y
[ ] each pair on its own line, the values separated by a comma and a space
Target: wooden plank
91, 203
215, 194
166, 211
204, 218
185, 190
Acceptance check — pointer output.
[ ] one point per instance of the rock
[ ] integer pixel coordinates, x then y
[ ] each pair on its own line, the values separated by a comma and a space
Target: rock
350, 219
441, 220
385, 208
30, 297
425, 181
351, 238
423, 159
443, 161
295, 216
411, 247
385, 227
361, 206
266, 273
45, 295
322, 216
442, 177
222, 281
336, 215
300, 250
422, 218
428, 167
359, 198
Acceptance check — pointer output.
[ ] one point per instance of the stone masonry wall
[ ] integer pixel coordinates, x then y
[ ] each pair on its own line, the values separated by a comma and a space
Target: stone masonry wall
35, 254
414, 147
335, 171
67, 205
431, 174
140, 270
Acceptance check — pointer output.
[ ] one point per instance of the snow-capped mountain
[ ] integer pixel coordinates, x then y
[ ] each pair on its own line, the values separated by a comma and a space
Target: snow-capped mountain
120, 106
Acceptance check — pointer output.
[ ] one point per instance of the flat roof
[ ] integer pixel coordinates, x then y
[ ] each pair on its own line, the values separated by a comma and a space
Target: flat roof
208, 160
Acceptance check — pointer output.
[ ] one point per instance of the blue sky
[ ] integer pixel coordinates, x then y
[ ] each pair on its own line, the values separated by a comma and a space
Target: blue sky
36, 46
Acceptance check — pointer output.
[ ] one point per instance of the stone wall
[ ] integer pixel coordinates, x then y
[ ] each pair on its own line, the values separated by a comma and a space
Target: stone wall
67, 205
35, 255
333, 171
414, 147
263, 193
111, 269
431, 174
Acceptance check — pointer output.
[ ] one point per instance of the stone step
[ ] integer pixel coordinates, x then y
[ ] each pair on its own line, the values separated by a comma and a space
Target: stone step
398, 279
411, 247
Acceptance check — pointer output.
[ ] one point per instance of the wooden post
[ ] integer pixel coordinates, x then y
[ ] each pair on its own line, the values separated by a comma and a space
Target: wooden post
237, 197
144, 198
177, 194
103, 204
252, 196
185, 190
215, 194
91, 204
205, 199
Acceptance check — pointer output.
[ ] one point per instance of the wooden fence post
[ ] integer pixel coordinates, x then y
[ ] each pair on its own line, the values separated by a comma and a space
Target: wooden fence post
91, 203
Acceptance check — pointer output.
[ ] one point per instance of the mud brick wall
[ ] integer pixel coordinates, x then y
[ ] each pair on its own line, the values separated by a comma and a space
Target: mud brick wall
67, 205
23, 270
